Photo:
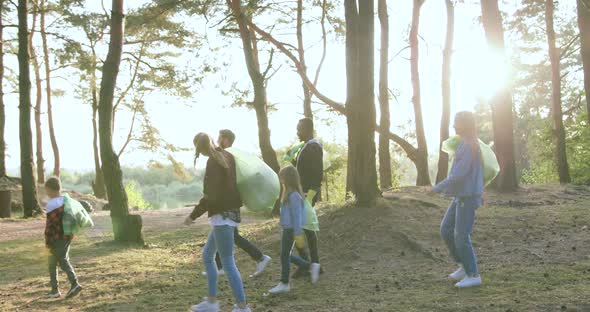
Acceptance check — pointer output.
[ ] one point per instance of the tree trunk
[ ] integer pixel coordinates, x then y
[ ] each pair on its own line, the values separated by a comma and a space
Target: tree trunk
423, 177
301, 50
501, 102
126, 228
2, 112
384, 152
584, 25
558, 130
38, 98
260, 102
29, 185
98, 186
443, 158
52, 138
360, 101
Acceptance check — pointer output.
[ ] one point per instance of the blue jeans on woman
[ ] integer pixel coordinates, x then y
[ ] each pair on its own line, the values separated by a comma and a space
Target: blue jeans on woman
287, 241
221, 238
456, 228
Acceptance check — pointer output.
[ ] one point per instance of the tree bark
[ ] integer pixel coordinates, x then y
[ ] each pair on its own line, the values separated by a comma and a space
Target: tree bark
125, 227
29, 185
98, 186
260, 101
558, 130
384, 153
52, 137
584, 25
360, 101
307, 112
2, 111
423, 177
501, 102
443, 158
38, 99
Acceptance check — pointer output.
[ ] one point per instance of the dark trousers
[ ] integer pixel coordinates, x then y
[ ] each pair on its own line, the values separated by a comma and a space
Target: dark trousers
243, 244
59, 254
312, 243
287, 241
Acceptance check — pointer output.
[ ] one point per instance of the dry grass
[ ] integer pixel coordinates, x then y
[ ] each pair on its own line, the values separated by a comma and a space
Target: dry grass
533, 250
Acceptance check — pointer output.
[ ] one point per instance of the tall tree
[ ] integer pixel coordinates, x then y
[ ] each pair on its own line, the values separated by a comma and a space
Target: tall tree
360, 100
385, 177
2, 112
124, 227
260, 104
29, 185
422, 157
443, 158
556, 112
301, 50
38, 97
501, 102
52, 138
584, 25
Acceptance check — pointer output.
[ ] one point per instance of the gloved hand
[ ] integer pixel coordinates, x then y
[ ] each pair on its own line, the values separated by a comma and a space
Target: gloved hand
310, 195
300, 241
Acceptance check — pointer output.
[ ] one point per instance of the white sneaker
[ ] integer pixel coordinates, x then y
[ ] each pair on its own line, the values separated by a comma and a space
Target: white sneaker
469, 282
219, 273
458, 275
315, 272
206, 306
261, 265
237, 309
281, 288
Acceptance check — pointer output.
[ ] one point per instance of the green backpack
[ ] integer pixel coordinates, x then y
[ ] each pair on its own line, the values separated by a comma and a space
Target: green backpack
75, 216
491, 168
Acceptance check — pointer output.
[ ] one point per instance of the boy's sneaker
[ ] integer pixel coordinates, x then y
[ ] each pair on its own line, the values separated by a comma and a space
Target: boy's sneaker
315, 272
262, 265
458, 275
469, 281
74, 291
237, 309
54, 294
281, 288
219, 273
206, 306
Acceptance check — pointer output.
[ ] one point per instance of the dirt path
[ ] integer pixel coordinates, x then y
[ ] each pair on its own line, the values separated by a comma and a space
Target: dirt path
161, 220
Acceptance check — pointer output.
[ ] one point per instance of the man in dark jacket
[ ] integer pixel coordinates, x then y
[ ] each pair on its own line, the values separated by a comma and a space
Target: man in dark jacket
310, 165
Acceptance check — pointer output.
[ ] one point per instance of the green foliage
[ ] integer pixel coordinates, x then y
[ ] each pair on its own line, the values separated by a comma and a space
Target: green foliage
134, 195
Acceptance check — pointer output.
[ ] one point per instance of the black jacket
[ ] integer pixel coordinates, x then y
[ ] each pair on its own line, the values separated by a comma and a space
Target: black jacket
220, 191
310, 166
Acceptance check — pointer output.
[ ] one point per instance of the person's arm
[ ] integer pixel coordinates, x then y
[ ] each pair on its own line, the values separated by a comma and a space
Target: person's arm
459, 170
212, 184
295, 212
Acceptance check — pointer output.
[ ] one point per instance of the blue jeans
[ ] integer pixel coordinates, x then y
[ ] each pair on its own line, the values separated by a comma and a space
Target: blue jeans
287, 240
456, 228
221, 238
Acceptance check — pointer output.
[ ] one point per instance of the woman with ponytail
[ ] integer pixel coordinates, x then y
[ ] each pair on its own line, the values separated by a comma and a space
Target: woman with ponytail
221, 201
464, 184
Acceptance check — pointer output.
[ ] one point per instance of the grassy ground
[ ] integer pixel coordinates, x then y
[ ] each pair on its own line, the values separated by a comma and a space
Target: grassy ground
533, 249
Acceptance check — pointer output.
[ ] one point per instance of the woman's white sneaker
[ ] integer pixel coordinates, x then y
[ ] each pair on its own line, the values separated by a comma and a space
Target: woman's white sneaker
281, 288
458, 275
206, 306
262, 265
238, 309
469, 281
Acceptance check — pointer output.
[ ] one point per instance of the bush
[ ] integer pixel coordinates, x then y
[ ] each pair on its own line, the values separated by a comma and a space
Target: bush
135, 197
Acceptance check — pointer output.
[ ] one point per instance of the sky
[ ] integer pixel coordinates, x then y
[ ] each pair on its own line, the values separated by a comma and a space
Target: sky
474, 74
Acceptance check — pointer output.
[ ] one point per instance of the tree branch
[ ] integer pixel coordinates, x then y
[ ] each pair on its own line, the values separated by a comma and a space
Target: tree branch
130, 134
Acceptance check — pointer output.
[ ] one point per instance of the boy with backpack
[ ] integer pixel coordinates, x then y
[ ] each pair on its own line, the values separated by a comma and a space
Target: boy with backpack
65, 217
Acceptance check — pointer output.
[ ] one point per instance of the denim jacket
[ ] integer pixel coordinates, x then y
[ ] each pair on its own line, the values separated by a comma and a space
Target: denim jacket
466, 176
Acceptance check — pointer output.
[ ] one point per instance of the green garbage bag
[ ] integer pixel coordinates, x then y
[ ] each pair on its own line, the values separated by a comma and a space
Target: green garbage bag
258, 184
312, 223
75, 216
293, 152
491, 168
